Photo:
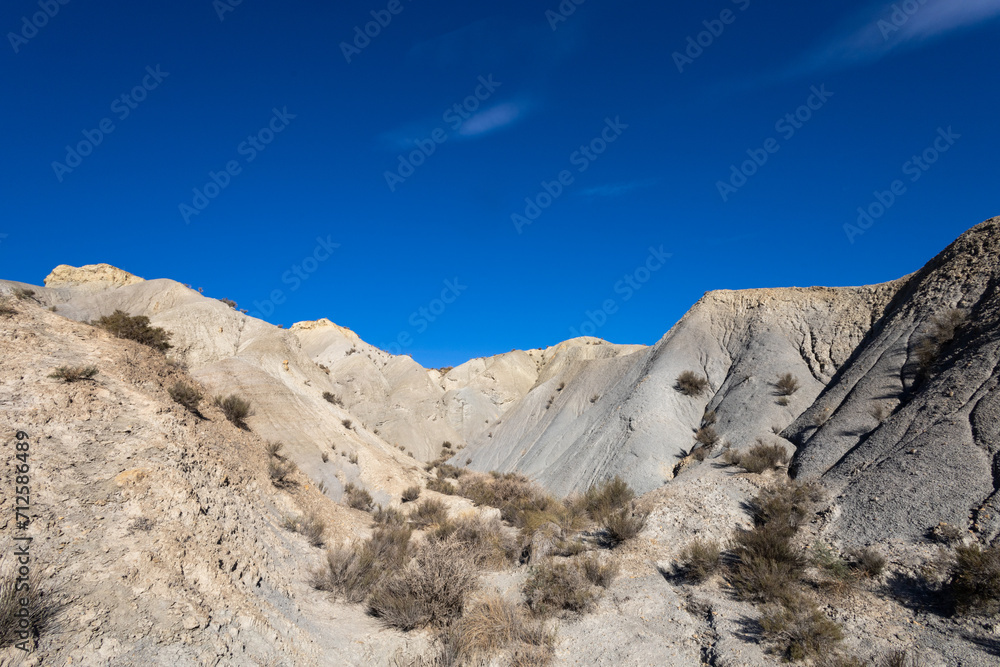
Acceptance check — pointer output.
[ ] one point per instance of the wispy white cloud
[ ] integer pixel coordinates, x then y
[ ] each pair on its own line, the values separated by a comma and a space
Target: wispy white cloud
890, 27
617, 189
493, 119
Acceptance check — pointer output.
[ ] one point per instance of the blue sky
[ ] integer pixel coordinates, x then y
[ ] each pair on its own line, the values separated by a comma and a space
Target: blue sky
466, 179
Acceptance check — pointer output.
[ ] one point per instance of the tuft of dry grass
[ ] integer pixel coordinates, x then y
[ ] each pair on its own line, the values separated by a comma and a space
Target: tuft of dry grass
186, 395
310, 526
623, 525
352, 572
599, 572
281, 472
787, 384
800, 630
758, 458
411, 494
974, 586
442, 486
74, 373
493, 626
559, 587
388, 516
32, 611
430, 591
357, 498
690, 383
700, 559
484, 541
431, 511
236, 409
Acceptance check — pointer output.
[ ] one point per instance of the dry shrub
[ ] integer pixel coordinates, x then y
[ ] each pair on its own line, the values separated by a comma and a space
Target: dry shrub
441, 486
690, 383
311, 527
623, 525
74, 373
430, 591
868, 562
352, 572
787, 384
706, 436
331, 398
7, 308
484, 541
411, 494
357, 498
41, 611
281, 472
941, 333
599, 572
431, 511
559, 587
760, 457
236, 409
700, 559
388, 516
123, 325
974, 586
494, 626
786, 506
186, 395
608, 497
799, 630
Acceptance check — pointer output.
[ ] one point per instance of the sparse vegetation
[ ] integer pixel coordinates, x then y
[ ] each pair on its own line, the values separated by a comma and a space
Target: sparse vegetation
799, 630
430, 591
352, 572
868, 562
974, 586
599, 572
74, 373
40, 608
700, 559
611, 496
236, 409
229, 302
142, 524
442, 486
281, 472
23, 294
559, 587
758, 458
123, 325
6, 308
411, 494
186, 395
690, 383
787, 384
347, 423
494, 625
331, 398
706, 436
940, 334
484, 542
311, 527
429, 512
388, 516
357, 498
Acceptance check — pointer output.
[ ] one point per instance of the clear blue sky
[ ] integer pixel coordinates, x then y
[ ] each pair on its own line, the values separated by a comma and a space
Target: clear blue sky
663, 122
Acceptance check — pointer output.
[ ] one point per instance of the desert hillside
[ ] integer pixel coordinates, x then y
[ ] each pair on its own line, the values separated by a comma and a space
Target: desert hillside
800, 474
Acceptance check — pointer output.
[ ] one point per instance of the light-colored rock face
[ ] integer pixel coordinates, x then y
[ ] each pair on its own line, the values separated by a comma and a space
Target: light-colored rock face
93, 276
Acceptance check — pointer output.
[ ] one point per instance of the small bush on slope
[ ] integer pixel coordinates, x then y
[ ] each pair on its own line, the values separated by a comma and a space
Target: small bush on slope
559, 587
700, 559
186, 395
236, 409
690, 383
123, 325
358, 498
352, 572
74, 373
974, 586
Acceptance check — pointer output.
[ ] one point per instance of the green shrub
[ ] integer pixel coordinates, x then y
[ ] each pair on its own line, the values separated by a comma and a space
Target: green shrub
430, 591
357, 498
236, 409
352, 572
690, 383
186, 395
74, 373
411, 494
974, 586
123, 325
700, 559
556, 587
